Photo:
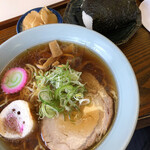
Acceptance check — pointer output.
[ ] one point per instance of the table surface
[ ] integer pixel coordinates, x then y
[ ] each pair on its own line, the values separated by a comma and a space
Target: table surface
137, 50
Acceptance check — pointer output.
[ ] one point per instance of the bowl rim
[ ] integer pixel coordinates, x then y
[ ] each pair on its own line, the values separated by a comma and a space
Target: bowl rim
19, 23
102, 46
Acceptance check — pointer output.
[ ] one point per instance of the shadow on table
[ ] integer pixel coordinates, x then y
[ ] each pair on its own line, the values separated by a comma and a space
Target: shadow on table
140, 140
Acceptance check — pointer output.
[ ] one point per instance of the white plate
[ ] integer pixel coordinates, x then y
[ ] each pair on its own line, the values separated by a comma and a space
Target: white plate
128, 107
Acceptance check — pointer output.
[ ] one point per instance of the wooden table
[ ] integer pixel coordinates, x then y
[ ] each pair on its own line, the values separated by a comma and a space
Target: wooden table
137, 50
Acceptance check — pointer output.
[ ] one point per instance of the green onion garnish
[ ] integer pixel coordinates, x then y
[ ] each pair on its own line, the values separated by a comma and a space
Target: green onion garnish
60, 91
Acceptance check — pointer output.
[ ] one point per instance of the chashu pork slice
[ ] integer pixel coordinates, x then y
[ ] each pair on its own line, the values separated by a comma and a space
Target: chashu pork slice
66, 135
16, 120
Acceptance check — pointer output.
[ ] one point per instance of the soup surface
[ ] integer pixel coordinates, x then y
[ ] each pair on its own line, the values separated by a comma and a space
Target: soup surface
80, 59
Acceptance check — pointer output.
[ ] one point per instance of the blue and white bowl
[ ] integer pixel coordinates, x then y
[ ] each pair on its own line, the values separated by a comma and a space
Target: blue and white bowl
19, 23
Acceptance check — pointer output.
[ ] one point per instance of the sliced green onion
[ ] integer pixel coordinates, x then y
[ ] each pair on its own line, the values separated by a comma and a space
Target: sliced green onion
48, 111
45, 96
60, 91
84, 101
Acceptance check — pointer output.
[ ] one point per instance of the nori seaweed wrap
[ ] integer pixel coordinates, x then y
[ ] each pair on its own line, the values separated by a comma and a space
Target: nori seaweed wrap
118, 20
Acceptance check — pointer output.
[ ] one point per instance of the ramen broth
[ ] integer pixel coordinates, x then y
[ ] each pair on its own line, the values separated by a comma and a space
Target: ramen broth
85, 61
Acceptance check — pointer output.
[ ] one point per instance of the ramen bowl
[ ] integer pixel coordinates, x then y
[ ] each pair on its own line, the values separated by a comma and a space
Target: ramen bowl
125, 121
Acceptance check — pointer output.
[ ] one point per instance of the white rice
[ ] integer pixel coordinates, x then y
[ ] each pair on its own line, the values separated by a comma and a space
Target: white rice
87, 20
